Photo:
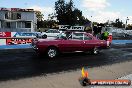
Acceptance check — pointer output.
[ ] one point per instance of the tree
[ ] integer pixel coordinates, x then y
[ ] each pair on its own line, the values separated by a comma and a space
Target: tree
39, 16
67, 14
60, 11
118, 23
70, 19
129, 27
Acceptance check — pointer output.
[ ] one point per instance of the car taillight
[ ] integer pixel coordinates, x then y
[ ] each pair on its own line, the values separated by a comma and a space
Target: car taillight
108, 43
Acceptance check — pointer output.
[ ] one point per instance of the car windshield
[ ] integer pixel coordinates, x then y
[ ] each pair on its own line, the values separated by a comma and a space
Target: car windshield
64, 35
61, 35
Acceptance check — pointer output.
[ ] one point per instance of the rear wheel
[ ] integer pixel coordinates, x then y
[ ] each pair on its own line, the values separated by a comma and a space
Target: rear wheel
95, 51
52, 52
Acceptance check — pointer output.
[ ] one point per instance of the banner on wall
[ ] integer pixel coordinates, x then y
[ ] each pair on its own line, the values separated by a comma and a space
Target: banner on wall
23, 34
13, 38
68, 27
5, 34
14, 41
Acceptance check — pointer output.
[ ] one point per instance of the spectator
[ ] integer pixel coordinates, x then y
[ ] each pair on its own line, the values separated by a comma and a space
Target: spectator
105, 35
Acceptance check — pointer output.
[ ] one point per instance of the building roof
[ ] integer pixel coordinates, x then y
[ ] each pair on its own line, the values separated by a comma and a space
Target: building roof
17, 9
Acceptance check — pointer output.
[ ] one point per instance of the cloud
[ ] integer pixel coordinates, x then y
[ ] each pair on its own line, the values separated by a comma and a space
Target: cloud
104, 16
94, 5
44, 10
99, 11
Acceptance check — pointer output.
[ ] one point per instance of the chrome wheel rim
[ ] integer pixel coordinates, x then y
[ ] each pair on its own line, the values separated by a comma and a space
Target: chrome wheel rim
51, 53
95, 51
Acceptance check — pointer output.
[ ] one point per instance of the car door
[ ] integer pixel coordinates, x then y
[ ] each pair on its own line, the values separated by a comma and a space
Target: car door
89, 42
72, 44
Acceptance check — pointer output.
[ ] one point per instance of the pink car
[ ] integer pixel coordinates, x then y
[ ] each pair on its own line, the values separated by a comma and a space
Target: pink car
69, 42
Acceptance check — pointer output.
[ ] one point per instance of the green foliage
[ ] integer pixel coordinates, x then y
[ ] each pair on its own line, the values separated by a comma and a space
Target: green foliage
47, 24
60, 11
39, 16
129, 27
67, 14
118, 23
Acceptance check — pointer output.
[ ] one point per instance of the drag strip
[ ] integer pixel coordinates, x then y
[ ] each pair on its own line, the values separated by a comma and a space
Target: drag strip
21, 63
25, 46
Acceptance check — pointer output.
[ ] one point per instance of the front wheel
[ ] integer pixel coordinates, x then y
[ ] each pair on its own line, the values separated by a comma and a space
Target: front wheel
52, 52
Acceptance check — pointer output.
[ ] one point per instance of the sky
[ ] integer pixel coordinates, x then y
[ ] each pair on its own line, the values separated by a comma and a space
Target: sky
95, 10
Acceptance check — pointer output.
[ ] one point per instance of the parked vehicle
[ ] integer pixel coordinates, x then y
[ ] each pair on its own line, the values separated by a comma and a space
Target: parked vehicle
51, 33
69, 42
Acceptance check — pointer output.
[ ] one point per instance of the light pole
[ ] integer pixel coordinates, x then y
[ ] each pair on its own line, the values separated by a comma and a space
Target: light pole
91, 24
78, 20
126, 22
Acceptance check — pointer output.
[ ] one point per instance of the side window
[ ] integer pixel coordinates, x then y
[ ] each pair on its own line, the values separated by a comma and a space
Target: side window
12, 15
49, 31
18, 16
86, 37
8, 15
70, 36
8, 24
27, 24
78, 36
56, 31
62, 36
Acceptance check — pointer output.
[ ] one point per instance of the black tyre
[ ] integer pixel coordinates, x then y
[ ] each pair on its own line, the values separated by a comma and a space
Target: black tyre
52, 52
95, 51
44, 36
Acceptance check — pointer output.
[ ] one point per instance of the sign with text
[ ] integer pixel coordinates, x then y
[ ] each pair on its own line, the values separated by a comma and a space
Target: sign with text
85, 81
71, 27
14, 41
5, 34
23, 34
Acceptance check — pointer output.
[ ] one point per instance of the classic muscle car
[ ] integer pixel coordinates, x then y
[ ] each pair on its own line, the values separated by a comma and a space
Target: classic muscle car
69, 42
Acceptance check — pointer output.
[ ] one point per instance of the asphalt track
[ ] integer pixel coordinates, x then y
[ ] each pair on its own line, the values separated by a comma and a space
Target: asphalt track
21, 63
